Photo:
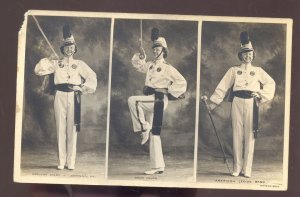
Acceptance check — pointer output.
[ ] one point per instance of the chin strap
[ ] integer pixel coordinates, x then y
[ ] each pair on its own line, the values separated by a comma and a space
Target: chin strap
158, 55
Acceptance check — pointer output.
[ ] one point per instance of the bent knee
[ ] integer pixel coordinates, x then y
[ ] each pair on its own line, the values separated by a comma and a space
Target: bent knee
131, 100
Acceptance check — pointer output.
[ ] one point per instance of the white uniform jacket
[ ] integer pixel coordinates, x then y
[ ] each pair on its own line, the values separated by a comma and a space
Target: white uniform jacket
160, 74
70, 72
241, 79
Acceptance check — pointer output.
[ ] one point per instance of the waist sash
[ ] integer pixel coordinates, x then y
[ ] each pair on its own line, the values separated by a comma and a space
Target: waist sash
77, 102
245, 94
158, 113
158, 109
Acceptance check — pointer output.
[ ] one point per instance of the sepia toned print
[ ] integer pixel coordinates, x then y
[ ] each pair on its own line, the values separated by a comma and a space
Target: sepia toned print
153, 100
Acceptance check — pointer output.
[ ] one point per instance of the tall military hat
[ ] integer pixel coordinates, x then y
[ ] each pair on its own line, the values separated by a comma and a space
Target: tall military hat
159, 41
246, 44
68, 38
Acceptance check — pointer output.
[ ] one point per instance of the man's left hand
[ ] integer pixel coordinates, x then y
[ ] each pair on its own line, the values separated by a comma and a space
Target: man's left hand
256, 95
76, 88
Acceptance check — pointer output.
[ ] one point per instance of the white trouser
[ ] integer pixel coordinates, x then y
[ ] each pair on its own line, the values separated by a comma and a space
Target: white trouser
141, 110
243, 138
66, 131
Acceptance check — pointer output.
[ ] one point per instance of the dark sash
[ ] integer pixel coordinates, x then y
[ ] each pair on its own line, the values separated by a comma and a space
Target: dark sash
158, 113
245, 94
77, 102
158, 109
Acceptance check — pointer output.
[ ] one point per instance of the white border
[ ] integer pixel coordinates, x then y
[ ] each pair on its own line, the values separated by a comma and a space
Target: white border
197, 100
109, 94
112, 16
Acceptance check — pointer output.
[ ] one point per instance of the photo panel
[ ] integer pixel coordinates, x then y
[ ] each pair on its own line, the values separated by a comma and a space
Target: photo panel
232, 151
152, 138
65, 92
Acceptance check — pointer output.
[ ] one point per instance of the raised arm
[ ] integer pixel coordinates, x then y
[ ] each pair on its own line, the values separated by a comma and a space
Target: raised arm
45, 67
90, 77
140, 64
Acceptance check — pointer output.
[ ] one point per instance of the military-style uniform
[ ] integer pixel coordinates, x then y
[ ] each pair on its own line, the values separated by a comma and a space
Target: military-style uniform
67, 72
159, 74
244, 78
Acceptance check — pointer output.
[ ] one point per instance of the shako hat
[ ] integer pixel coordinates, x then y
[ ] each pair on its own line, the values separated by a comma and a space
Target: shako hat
68, 38
246, 44
157, 40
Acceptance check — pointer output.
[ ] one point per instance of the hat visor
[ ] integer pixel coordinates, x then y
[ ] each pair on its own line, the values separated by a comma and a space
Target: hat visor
156, 45
245, 50
68, 44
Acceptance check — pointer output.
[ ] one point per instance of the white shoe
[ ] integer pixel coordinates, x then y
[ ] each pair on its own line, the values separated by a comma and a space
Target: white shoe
235, 174
145, 135
71, 167
60, 167
247, 175
154, 171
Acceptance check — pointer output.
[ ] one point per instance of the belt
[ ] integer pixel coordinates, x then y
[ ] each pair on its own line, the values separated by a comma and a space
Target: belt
149, 91
77, 102
246, 94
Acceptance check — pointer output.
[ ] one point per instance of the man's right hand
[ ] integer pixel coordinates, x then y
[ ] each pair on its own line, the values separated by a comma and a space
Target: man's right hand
142, 53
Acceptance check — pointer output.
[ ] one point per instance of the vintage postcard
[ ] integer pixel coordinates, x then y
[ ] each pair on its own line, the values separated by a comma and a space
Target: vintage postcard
153, 100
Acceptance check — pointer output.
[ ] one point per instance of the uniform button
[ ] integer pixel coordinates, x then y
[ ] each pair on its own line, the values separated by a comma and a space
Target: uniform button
246, 83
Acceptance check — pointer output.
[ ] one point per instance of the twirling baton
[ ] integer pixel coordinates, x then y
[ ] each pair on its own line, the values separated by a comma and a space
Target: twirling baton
45, 37
204, 98
142, 55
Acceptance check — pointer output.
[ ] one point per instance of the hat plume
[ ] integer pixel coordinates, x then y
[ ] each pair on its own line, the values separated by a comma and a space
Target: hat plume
244, 37
154, 34
66, 31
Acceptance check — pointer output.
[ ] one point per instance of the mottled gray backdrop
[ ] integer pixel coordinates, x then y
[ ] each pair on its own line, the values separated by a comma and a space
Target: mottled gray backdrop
220, 46
127, 158
92, 37
179, 118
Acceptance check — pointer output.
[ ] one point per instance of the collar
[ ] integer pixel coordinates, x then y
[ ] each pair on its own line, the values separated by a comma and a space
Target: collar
246, 67
68, 59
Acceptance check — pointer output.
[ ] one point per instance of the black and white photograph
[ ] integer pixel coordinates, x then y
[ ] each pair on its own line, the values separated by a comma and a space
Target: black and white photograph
153, 99
64, 121
244, 87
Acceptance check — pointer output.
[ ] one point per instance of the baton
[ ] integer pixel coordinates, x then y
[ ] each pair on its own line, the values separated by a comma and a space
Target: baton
142, 55
204, 98
45, 37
